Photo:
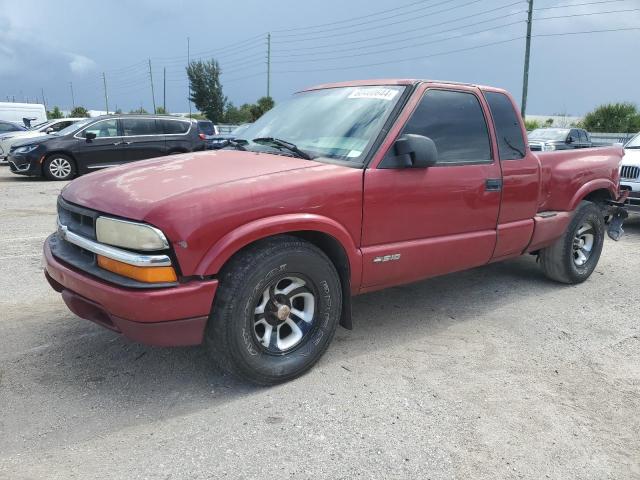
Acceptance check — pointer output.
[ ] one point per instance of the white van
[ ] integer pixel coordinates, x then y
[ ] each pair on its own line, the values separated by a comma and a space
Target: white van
17, 112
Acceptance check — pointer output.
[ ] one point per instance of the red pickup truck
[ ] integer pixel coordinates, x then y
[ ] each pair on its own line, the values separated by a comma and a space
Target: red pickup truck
345, 188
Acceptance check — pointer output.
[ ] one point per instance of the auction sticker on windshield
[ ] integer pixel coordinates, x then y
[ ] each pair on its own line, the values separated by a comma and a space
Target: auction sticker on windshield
375, 93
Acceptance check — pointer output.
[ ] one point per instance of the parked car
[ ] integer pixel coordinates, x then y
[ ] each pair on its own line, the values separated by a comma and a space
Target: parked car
24, 113
546, 139
207, 132
52, 126
630, 172
101, 142
8, 127
222, 140
344, 189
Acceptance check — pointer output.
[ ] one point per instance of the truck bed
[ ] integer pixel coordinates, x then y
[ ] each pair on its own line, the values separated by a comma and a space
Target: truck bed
561, 187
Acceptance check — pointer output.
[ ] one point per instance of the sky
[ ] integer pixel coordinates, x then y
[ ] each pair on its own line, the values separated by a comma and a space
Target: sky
47, 46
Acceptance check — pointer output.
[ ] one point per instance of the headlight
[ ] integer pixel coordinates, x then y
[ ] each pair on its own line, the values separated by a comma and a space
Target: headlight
25, 149
547, 147
131, 235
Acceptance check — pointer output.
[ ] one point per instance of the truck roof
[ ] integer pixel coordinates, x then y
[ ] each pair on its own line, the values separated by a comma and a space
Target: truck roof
395, 81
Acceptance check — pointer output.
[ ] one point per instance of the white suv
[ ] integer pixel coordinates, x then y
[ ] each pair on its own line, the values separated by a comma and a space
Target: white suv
45, 128
630, 171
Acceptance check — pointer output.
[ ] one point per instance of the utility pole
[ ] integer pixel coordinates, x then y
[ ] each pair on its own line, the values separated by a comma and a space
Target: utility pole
73, 100
188, 65
44, 102
106, 97
153, 95
269, 64
164, 89
527, 51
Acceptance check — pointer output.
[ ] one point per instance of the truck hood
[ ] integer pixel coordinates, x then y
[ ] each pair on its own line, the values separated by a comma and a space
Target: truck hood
134, 190
631, 157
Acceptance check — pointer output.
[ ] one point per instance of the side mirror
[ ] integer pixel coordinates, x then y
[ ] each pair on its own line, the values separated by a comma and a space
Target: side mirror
416, 151
48, 130
569, 139
89, 136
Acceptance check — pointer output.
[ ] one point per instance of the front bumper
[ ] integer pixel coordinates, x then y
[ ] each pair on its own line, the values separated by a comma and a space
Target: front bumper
633, 201
27, 164
173, 316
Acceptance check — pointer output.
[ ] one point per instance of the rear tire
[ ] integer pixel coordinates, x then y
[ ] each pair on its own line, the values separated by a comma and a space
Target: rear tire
275, 312
59, 167
574, 256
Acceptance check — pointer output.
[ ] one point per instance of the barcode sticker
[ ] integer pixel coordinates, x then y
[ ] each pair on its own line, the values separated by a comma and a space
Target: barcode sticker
377, 93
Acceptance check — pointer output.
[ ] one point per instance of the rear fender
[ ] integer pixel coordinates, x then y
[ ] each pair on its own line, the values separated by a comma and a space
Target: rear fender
592, 186
246, 234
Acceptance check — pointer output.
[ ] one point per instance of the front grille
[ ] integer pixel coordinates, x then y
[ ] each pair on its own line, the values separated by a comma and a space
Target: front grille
628, 172
77, 219
535, 146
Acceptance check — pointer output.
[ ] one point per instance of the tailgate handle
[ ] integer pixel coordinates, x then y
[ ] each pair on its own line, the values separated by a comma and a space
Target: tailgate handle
493, 185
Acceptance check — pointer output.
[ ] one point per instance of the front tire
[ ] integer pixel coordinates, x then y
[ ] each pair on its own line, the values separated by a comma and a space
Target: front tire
574, 256
275, 312
59, 167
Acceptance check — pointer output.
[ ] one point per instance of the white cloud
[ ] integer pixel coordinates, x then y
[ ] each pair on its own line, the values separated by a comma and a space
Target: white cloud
80, 65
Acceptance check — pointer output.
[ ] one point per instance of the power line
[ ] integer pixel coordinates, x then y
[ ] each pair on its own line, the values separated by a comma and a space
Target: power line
404, 32
369, 22
430, 34
587, 14
385, 26
586, 31
349, 19
571, 5
398, 60
340, 57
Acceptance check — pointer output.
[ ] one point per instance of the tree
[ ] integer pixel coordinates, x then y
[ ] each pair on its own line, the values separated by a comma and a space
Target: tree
139, 111
55, 113
206, 89
79, 112
531, 124
614, 118
263, 105
161, 111
235, 115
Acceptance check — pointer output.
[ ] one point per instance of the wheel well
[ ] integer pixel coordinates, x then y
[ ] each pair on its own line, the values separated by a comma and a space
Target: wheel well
598, 196
333, 249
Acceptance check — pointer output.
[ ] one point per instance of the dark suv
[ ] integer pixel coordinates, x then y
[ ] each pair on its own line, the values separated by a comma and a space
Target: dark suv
546, 139
103, 142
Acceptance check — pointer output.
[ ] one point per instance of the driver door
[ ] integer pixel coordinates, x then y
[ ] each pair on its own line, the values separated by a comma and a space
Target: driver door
103, 151
422, 222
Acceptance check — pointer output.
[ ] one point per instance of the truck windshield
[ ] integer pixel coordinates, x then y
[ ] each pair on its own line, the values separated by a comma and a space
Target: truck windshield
334, 123
558, 134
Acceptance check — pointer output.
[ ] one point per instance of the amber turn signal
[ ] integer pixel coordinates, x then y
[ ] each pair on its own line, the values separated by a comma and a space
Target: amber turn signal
142, 274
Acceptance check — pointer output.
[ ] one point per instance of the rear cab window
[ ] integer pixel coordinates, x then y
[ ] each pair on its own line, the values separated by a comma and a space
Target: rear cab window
511, 143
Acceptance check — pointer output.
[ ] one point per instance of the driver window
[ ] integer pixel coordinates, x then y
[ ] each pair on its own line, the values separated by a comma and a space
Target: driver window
106, 128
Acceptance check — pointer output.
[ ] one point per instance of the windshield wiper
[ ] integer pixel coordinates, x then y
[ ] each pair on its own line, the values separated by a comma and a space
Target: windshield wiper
238, 145
276, 142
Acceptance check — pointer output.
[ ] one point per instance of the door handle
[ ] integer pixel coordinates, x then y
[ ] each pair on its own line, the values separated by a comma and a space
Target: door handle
118, 143
127, 143
493, 184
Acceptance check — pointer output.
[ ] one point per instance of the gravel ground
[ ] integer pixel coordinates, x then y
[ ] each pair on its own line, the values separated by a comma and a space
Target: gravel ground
491, 373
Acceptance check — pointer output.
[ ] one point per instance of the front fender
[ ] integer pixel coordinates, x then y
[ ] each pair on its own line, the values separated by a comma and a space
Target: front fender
250, 232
